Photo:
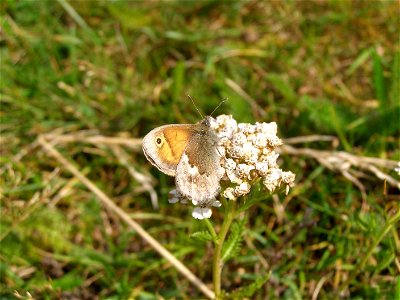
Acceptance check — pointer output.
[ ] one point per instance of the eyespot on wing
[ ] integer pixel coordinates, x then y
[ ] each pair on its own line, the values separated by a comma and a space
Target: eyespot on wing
166, 155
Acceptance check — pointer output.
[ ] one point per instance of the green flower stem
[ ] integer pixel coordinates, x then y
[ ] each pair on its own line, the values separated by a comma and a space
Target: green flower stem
210, 228
230, 213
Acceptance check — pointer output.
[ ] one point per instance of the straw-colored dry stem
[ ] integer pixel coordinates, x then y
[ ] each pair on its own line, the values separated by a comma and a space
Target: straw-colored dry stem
107, 202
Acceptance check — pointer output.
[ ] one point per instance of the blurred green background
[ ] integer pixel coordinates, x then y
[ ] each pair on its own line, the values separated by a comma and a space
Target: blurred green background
121, 68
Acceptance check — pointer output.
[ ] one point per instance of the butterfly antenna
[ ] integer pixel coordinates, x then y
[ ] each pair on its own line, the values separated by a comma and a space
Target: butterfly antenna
198, 110
218, 106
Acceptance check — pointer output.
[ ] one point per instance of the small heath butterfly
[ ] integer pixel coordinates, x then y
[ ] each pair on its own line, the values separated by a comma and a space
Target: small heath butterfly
188, 152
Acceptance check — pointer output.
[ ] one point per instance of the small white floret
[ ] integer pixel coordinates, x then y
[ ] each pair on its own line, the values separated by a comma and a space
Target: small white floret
242, 189
229, 193
216, 203
201, 213
173, 196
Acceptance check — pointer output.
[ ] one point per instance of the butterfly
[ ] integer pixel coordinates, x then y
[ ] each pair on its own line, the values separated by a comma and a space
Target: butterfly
189, 152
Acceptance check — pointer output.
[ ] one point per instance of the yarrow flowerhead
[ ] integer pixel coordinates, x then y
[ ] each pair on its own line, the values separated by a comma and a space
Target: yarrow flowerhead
247, 156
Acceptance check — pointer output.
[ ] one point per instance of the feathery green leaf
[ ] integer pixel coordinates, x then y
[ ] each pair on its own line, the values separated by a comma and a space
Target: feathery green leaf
234, 242
249, 290
202, 236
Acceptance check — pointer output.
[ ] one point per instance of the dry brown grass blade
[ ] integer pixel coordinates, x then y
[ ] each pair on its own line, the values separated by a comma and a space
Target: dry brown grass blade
257, 109
66, 190
123, 158
344, 162
131, 143
107, 202
319, 286
310, 139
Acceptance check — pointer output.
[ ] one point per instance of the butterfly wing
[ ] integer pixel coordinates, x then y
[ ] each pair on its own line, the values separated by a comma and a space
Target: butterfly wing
164, 146
199, 171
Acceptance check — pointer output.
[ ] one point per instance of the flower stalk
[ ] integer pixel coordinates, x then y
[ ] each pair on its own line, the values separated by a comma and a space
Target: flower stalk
218, 264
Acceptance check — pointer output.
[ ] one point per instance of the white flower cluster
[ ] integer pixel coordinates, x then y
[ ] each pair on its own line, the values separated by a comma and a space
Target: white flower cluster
199, 212
249, 154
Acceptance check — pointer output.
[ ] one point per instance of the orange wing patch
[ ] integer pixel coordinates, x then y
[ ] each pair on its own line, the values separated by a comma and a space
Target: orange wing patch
176, 140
